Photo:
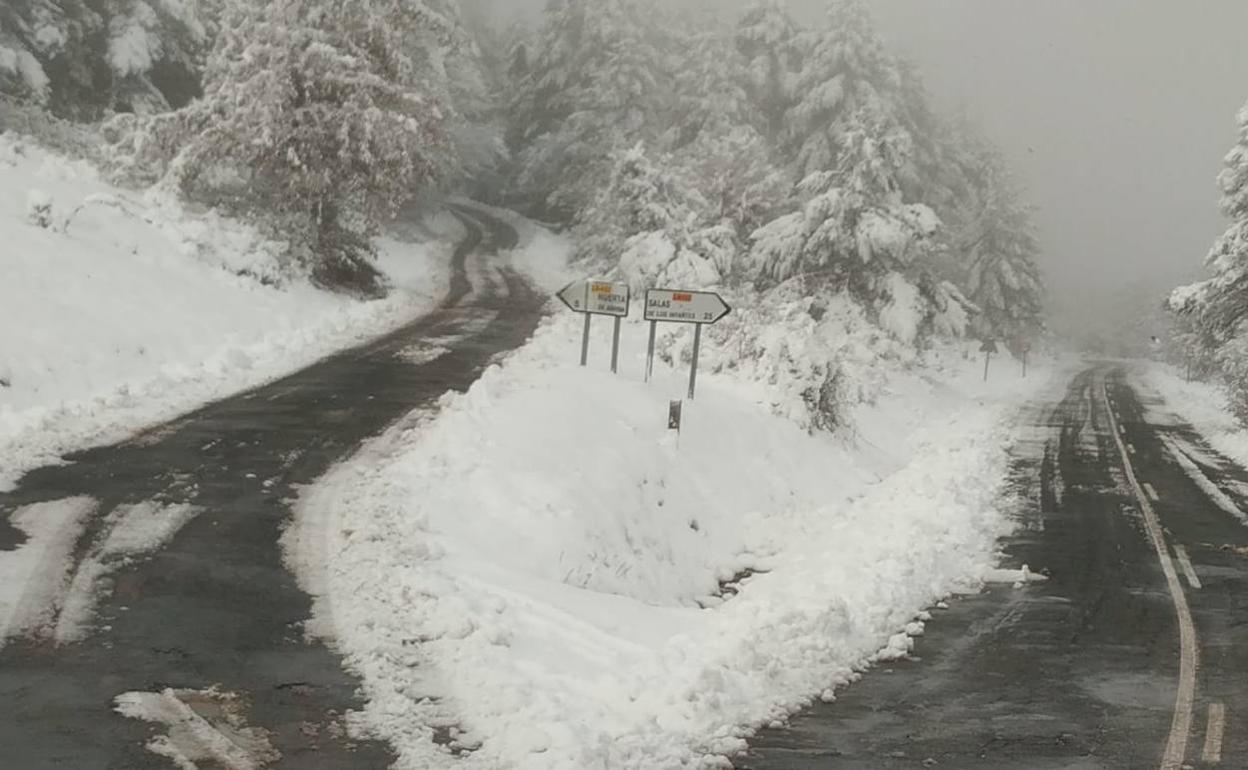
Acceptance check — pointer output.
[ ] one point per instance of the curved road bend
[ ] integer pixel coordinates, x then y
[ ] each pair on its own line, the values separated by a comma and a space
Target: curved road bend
215, 607
1092, 669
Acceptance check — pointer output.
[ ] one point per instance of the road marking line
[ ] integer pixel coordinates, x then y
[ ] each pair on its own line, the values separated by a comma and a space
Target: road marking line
1131, 448
1186, 564
1152, 493
1185, 698
1213, 734
1121, 429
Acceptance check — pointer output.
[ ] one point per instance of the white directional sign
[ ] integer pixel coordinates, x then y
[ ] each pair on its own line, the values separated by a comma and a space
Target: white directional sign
691, 307
607, 298
683, 307
597, 297
592, 298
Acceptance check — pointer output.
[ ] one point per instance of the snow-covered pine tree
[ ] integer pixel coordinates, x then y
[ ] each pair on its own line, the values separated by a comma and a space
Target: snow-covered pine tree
52, 53
84, 58
156, 53
1220, 304
846, 74
1002, 277
769, 44
855, 230
715, 136
650, 222
313, 111
593, 87
455, 73
1214, 313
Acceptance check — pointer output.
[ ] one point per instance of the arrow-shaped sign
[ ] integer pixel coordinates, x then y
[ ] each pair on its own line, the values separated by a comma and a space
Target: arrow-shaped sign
690, 307
573, 295
597, 297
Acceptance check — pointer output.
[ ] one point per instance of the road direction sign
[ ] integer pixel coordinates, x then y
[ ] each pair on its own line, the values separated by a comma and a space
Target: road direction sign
988, 348
686, 307
575, 295
607, 298
598, 298
691, 307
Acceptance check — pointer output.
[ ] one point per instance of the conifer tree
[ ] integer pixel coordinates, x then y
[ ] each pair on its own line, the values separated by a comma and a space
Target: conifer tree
314, 111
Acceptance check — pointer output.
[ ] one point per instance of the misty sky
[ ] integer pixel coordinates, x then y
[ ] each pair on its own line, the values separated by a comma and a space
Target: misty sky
1114, 113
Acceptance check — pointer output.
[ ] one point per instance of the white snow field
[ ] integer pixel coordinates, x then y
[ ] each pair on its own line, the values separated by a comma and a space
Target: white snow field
531, 576
121, 309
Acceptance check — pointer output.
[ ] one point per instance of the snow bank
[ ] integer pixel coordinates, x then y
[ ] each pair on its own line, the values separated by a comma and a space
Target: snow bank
122, 309
544, 577
1206, 406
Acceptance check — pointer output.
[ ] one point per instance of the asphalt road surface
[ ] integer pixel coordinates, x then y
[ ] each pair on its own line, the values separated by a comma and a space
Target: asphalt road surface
215, 608
1134, 654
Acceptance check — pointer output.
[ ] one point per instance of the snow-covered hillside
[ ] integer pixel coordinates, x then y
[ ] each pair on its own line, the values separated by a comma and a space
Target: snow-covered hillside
120, 308
545, 574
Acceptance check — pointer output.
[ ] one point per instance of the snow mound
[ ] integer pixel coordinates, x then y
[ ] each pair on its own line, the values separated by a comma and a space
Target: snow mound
551, 575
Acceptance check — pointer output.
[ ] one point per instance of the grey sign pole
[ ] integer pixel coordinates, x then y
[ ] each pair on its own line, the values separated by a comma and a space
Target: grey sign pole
987, 358
654, 326
615, 346
585, 341
693, 370
1024, 364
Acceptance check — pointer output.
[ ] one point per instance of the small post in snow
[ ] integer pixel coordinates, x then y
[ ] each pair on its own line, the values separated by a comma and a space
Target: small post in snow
1024, 347
593, 298
988, 348
673, 416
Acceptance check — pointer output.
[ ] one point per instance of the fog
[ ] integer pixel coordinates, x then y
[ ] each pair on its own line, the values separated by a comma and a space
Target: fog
1114, 113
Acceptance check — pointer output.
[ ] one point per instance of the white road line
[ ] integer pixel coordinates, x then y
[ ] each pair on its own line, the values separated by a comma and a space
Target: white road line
1184, 701
1152, 493
1131, 448
1213, 734
1121, 429
1186, 565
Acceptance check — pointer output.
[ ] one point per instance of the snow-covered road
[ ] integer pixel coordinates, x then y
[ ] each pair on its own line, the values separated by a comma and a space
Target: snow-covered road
144, 580
1130, 656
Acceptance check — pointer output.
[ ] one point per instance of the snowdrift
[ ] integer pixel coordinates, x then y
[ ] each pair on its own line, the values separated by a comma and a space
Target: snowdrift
122, 309
542, 576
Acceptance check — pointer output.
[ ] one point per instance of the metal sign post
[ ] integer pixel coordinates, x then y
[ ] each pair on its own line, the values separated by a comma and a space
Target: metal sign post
689, 307
585, 341
1025, 347
988, 348
598, 298
654, 326
615, 346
